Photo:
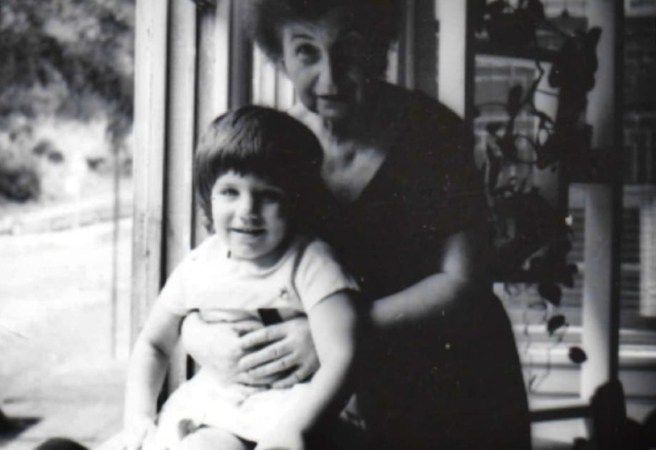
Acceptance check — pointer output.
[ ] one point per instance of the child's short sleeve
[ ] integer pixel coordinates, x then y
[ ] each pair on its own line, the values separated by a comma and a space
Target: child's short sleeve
319, 275
172, 296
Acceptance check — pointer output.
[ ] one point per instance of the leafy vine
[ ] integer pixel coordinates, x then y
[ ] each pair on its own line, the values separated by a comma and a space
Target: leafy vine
533, 236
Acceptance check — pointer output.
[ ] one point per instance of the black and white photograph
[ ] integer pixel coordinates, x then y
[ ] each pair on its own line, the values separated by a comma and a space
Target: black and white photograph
327, 224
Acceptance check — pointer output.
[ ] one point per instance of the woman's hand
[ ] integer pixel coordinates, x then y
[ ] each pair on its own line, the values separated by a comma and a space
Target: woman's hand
216, 345
282, 353
279, 355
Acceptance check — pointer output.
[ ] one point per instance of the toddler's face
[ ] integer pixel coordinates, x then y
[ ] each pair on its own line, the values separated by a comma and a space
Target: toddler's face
250, 216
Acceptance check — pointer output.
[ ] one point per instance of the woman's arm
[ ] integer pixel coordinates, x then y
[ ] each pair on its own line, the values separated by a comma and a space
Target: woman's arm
333, 322
460, 273
148, 363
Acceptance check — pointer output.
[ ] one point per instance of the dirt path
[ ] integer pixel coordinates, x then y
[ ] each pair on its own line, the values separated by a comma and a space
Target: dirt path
55, 333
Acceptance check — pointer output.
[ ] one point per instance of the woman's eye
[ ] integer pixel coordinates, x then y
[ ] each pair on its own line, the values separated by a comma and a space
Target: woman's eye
307, 53
350, 47
353, 38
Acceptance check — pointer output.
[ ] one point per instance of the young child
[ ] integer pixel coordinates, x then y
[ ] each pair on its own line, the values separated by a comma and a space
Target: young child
257, 174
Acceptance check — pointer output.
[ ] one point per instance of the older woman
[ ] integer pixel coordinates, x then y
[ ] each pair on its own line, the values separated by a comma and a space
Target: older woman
443, 370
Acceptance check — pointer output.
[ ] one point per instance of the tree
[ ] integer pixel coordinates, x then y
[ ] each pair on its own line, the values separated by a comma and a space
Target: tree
71, 58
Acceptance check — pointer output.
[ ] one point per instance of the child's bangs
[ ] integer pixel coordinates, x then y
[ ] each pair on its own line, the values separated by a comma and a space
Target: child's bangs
268, 166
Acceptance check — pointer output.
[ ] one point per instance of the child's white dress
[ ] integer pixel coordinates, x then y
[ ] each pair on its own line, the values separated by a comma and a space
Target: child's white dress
209, 281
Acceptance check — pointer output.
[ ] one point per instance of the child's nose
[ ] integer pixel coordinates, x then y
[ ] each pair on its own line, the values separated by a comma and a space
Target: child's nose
247, 207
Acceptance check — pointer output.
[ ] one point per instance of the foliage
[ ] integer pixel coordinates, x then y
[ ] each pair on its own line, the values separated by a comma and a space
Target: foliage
529, 228
507, 25
533, 237
69, 58
21, 183
64, 61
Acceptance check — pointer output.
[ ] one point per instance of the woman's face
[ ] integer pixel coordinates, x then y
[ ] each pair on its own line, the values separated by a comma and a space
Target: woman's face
324, 61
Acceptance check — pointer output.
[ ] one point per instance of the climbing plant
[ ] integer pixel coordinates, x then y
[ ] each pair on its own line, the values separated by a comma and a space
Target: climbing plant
533, 237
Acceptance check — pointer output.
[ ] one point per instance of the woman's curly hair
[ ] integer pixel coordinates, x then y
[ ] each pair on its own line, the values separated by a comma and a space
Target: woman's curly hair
376, 20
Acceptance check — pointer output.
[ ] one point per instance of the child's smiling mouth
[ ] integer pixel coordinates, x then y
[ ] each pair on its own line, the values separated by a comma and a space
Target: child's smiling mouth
249, 231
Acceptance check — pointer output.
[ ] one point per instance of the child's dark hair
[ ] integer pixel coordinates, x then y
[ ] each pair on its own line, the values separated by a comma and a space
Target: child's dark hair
267, 143
377, 20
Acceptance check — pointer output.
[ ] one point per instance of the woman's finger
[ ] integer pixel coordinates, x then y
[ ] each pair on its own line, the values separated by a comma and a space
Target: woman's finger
245, 327
264, 355
289, 381
262, 336
274, 367
245, 380
301, 373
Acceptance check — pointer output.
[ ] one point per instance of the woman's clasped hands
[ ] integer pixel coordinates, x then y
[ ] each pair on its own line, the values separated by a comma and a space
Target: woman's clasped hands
251, 354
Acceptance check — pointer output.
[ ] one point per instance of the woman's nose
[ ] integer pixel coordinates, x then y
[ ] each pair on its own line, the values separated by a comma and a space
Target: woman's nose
327, 77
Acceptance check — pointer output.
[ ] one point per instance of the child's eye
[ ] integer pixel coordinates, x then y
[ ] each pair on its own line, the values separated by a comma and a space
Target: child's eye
229, 192
307, 53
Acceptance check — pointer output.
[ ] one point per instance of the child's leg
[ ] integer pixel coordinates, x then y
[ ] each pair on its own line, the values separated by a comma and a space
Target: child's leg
209, 438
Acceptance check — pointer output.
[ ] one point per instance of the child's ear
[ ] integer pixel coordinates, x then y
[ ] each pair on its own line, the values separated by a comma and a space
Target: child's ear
208, 224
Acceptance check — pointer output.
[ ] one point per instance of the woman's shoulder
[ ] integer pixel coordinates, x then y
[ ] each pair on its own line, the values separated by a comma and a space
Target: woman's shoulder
426, 132
417, 107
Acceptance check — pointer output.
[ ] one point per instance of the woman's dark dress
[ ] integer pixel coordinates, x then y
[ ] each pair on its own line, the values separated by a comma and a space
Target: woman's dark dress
457, 383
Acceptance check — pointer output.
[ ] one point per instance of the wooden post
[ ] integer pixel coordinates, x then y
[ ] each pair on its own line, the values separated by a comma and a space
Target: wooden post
599, 309
648, 251
285, 94
456, 69
180, 133
213, 63
406, 63
149, 126
212, 93
241, 59
264, 79
603, 207
270, 85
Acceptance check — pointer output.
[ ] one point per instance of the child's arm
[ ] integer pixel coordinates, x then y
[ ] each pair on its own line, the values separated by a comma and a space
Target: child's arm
148, 364
333, 323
